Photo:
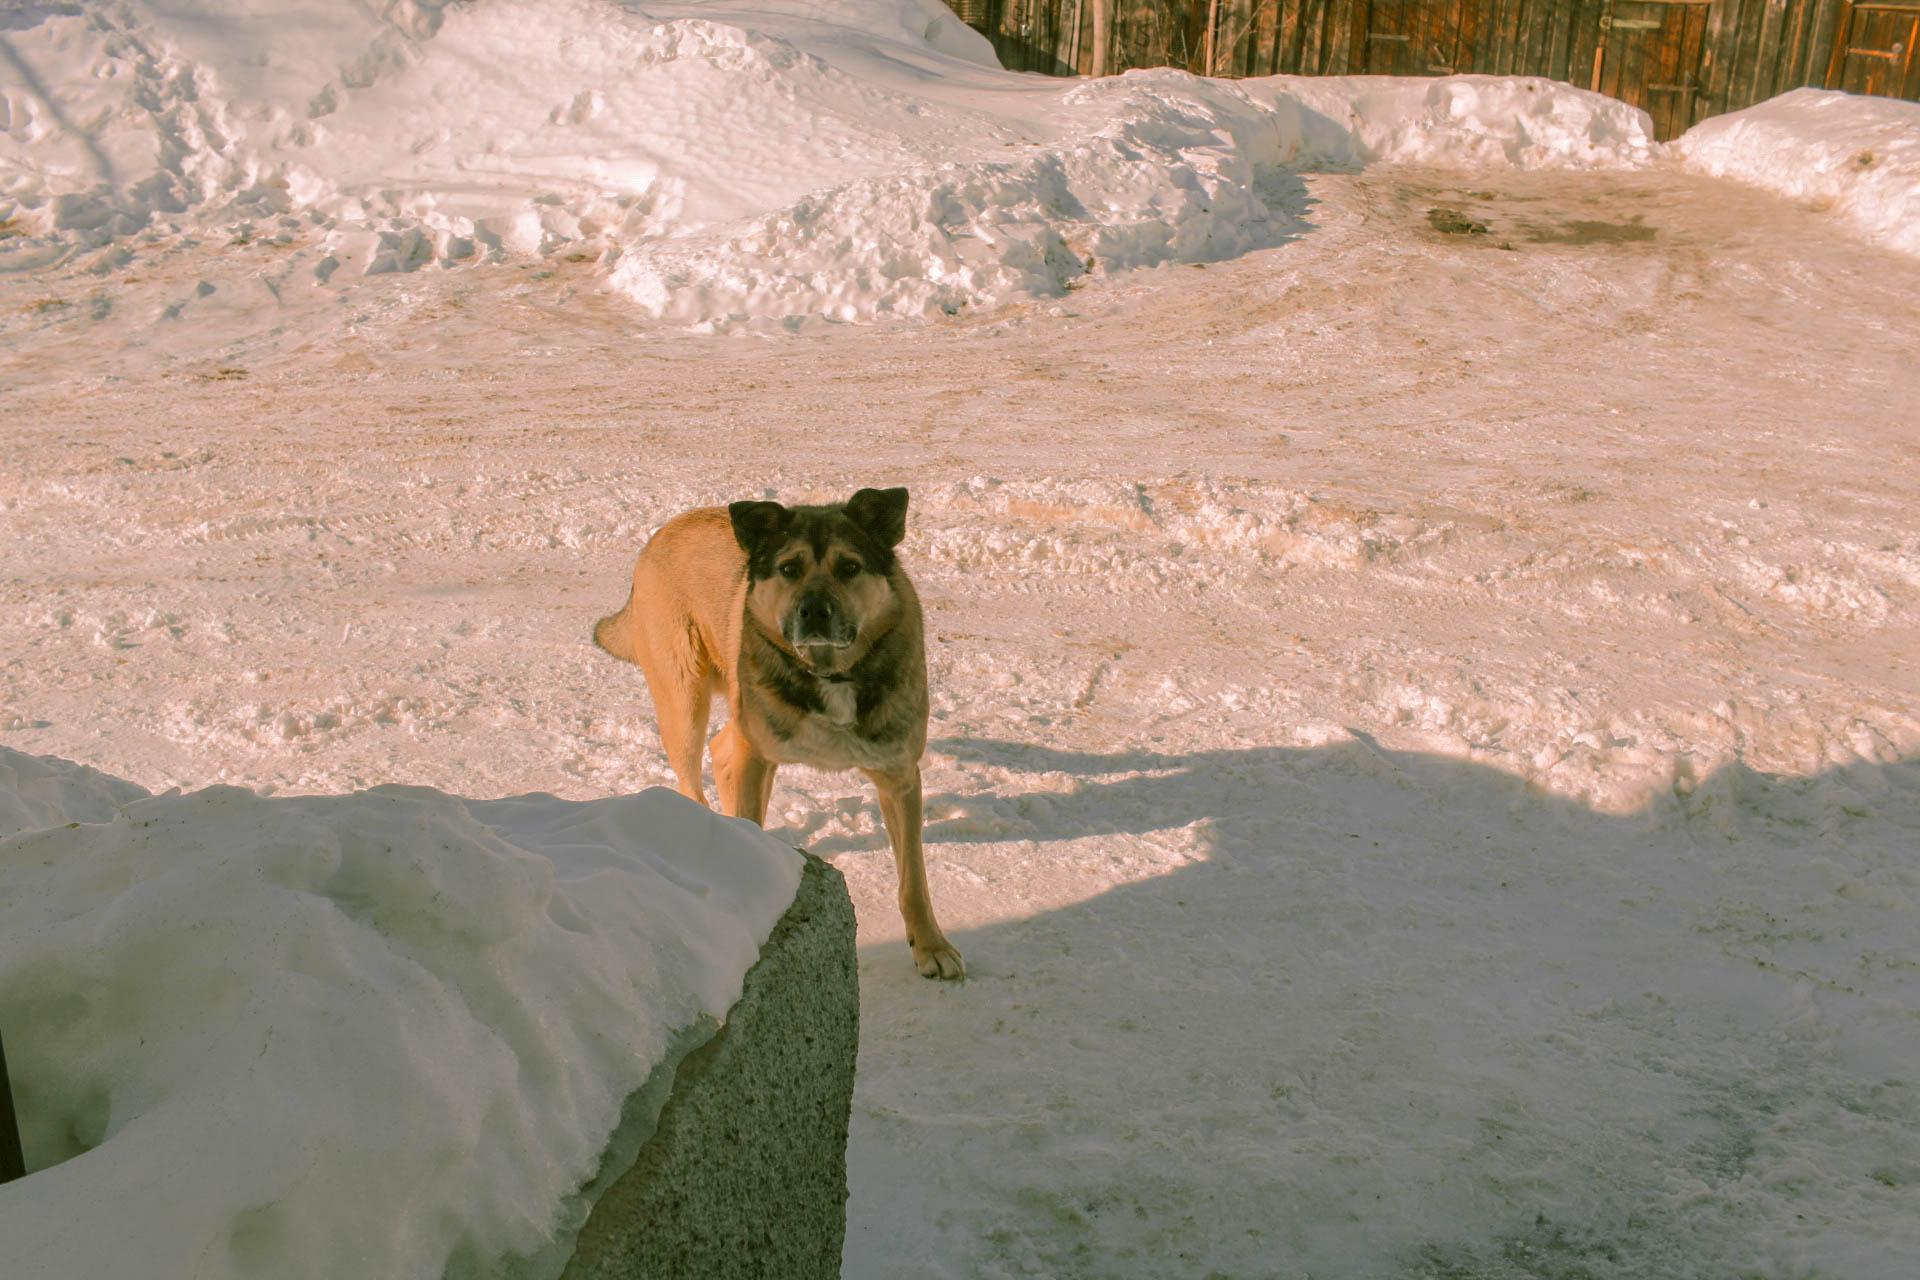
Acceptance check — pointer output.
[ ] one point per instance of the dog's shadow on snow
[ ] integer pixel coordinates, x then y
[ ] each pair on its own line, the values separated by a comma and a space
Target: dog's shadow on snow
1278, 827
1341, 972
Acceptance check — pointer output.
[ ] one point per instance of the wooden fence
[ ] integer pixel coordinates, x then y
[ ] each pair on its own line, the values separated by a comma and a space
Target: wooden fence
1681, 60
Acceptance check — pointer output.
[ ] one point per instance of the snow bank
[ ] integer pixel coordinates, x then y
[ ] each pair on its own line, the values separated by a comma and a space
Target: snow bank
385, 1033
1859, 157
1520, 122
726, 163
38, 791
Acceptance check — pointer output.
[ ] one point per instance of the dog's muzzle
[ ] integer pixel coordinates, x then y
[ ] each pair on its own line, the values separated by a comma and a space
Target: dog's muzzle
816, 623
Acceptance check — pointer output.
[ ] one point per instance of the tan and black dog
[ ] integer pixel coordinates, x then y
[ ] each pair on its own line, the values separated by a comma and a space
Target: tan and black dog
804, 619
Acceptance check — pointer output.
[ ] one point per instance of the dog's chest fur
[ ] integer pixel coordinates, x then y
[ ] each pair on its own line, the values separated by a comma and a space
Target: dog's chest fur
818, 739
843, 701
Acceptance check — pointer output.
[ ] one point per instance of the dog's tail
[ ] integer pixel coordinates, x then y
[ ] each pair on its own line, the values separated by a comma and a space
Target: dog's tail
614, 633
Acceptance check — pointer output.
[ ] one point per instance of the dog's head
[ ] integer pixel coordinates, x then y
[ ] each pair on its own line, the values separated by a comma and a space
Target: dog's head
820, 577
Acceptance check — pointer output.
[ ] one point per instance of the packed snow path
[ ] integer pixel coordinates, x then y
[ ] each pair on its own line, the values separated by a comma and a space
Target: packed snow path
1423, 721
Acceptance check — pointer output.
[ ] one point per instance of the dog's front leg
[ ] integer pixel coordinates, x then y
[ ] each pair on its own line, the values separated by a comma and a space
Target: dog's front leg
933, 955
742, 776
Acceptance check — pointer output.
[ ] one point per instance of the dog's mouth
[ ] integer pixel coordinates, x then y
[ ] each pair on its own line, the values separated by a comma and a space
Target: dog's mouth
820, 656
826, 639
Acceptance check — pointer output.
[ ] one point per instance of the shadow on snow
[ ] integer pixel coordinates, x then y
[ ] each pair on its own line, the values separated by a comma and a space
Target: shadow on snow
1351, 1011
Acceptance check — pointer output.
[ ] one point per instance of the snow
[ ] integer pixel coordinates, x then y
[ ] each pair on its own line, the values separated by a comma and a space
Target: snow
1856, 157
1522, 122
726, 165
386, 1033
1423, 765
1424, 724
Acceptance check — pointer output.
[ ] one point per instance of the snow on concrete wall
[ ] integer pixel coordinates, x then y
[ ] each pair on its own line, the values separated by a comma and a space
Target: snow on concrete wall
744, 1172
375, 1034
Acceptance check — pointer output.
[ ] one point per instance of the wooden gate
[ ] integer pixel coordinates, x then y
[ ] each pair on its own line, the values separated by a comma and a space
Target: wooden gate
1649, 54
1418, 37
1873, 48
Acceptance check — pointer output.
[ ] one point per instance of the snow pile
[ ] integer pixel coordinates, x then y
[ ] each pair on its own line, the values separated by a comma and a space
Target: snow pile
1521, 122
385, 1033
1859, 157
727, 164
37, 791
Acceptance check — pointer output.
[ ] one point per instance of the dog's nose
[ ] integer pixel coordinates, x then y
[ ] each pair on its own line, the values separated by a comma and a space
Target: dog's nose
816, 615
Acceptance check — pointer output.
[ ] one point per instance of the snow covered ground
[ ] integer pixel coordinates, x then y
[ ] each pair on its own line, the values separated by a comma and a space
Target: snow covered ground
1425, 718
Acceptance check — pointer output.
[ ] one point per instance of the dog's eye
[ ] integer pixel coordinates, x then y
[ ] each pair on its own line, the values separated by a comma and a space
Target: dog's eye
847, 570
790, 570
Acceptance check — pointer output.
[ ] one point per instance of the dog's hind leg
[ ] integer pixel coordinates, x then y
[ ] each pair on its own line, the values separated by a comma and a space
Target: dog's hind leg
900, 805
681, 681
742, 776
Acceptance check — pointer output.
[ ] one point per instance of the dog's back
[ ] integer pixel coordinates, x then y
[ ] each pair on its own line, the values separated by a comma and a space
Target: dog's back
690, 571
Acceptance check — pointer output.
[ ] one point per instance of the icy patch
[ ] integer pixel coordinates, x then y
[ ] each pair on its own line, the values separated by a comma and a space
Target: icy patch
385, 1033
1858, 157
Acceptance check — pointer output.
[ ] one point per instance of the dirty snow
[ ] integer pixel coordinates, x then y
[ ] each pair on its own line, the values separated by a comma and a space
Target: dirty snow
386, 1033
1425, 719
1856, 157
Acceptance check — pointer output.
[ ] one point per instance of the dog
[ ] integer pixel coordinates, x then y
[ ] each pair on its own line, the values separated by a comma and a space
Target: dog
804, 619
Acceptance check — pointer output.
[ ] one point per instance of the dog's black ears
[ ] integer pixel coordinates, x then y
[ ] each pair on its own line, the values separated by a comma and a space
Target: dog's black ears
881, 512
756, 522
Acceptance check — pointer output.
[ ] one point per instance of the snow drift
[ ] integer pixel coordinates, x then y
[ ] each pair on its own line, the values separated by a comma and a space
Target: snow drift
1859, 157
727, 164
385, 1033
731, 164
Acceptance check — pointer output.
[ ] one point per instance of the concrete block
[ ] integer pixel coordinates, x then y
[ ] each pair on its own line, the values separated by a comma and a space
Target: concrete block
744, 1174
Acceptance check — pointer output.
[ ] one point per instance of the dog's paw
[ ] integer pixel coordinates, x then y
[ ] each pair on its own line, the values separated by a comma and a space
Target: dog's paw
941, 960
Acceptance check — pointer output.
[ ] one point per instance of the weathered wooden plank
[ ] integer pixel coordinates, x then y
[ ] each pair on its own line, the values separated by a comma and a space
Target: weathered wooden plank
1504, 56
1691, 52
1481, 56
1469, 16
1612, 56
1823, 32
1837, 54
1513, 45
1539, 28
1630, 69
1717, 57
1558, 31
1793, 40
1767, 53
1746, 54
1582, 36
